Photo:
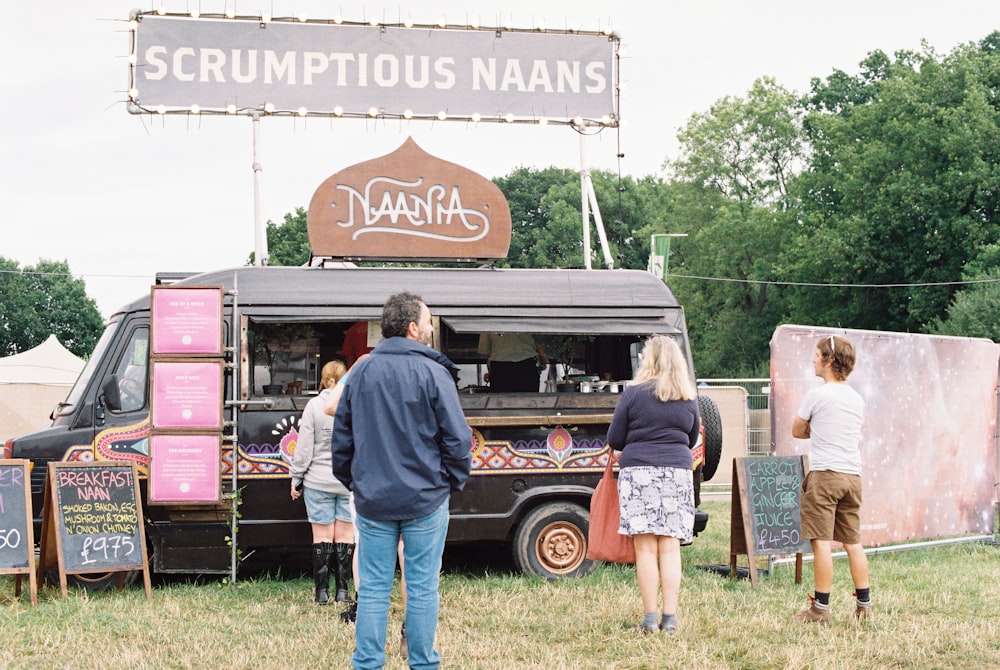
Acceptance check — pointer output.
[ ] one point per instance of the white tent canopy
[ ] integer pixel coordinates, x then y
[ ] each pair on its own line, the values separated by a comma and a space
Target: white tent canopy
49, 363
31, 383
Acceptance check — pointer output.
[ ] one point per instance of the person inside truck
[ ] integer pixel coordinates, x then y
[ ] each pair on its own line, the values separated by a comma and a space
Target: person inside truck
513, 360
328, 502
655, 424
356, 343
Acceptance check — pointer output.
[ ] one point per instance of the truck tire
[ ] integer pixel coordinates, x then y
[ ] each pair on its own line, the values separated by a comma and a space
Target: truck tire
551, 541
712, 422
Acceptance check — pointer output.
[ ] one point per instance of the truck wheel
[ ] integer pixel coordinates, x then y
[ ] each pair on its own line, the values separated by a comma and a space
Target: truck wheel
551, 542
712, 421
103, 581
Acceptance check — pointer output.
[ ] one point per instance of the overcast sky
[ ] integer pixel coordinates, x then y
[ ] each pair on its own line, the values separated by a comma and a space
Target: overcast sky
121, 197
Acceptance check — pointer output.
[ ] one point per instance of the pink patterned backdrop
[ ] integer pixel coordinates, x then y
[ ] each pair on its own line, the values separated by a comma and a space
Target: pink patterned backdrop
929, 451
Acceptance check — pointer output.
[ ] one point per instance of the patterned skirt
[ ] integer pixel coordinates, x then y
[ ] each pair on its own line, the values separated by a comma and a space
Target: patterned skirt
656, 500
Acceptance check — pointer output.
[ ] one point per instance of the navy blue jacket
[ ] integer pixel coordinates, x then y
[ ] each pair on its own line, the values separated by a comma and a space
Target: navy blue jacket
650, 432
401, 443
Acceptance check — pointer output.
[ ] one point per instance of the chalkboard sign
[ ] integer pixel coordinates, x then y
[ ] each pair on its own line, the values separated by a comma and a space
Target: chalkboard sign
95, 518
16, 543
765, 514
17, 538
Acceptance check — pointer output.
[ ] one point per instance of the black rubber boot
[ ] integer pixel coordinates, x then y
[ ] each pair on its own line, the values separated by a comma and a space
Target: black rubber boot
321, 552
345, 560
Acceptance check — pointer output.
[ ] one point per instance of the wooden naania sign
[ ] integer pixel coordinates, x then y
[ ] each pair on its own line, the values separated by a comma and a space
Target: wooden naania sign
409, 204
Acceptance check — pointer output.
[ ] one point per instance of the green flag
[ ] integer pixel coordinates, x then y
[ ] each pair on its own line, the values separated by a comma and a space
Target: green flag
659, 247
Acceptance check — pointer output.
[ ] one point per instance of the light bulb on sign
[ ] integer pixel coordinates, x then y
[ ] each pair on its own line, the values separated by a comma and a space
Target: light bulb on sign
301, 111
373, 112
303, 18
195, 109
269, 108
133, 25
577, 120
133, 93
161, 10
542, 121
338, 20
230, 12
132, 59
338, 111
442, 115
230, 109
160, 109
509, 118
265, 18
476, 117
408, 23
605, 120
195, 13
407, 113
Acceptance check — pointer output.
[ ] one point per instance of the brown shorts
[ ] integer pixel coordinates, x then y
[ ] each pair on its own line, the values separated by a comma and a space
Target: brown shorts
831, 507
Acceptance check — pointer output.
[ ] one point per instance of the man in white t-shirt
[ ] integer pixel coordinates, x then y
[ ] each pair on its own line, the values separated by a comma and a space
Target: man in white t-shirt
831, 416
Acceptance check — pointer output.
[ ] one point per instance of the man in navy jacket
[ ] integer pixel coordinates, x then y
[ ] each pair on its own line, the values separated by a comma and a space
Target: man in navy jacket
401, 444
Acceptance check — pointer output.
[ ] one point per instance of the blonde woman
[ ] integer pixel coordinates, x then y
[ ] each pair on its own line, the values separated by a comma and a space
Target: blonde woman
328, 503
655, 425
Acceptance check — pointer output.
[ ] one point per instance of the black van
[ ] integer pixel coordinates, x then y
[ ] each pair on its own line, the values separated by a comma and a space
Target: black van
536, 456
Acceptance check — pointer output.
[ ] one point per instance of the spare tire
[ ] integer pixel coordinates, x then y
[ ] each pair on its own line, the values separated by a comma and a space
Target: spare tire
711, 420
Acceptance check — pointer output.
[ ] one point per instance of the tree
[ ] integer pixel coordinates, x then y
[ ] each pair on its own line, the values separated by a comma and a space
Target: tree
44, 300
901, 186
738, 162
287, 242
973, 312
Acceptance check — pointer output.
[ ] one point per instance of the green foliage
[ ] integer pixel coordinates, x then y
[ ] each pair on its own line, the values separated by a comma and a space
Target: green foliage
901, 187
43, 300
974, 310
287, 242
737, 161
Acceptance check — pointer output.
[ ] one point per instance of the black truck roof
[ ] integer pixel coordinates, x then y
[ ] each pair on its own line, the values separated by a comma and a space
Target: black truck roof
575, 295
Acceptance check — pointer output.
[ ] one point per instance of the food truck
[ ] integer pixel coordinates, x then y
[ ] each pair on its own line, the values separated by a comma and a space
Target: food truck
536, 455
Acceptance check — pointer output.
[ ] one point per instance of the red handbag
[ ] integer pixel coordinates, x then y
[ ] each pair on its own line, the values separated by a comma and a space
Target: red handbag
604, 542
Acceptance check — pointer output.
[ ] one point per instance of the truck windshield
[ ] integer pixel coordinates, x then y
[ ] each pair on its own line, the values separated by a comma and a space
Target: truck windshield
88, 371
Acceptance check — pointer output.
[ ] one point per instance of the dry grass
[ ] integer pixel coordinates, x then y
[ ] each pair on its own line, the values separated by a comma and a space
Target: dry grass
936, 608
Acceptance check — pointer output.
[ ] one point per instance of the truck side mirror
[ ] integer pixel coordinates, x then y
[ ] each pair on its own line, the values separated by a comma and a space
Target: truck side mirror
109, 394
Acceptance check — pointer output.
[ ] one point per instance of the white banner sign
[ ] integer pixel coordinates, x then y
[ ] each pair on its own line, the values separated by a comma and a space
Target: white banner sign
351, 69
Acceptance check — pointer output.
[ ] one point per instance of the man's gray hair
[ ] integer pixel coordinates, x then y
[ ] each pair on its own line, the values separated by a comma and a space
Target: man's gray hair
399, 310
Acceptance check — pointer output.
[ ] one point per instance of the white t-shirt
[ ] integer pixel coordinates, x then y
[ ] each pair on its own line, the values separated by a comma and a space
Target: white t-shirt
835, 413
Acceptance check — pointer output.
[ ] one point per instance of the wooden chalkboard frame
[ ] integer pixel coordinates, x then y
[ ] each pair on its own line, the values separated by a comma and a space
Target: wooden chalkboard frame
742, 535
54, 526
28, 529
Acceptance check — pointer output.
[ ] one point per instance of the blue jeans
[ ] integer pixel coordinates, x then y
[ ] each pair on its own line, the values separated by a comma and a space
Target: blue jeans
423, 544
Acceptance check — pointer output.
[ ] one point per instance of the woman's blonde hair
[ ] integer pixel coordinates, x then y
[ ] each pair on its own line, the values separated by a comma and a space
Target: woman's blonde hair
662, 365
332, 371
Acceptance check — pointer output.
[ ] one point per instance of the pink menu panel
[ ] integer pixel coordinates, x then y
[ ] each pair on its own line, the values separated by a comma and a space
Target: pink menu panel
184, 468
187, 320
187, 395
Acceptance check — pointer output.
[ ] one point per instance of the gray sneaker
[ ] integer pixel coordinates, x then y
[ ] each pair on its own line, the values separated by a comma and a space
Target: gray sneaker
863, 611
813, 614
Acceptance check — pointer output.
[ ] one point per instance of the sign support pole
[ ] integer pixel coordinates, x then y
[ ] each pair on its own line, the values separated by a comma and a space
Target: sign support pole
588, 197
585, 200
260, 256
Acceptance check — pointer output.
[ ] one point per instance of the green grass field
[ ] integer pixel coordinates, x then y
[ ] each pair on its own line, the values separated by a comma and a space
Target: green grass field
935, 608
